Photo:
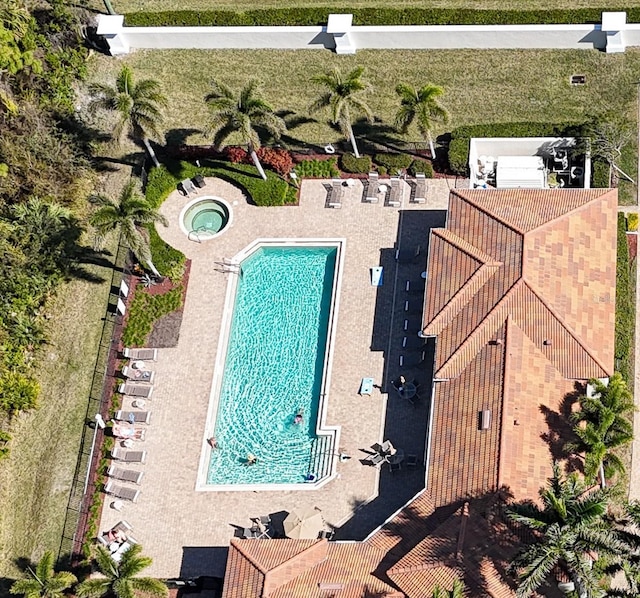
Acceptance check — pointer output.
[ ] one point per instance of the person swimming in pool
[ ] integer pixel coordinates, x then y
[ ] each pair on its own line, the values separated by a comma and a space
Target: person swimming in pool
299, 417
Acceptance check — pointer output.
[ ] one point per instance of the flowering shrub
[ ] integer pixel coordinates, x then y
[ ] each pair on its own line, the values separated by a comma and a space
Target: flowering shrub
279, 160
237, 155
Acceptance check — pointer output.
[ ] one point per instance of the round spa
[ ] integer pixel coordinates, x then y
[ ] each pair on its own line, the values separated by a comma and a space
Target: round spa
205, 218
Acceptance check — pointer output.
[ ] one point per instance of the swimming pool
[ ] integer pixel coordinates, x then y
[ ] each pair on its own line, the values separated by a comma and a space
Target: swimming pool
274, 366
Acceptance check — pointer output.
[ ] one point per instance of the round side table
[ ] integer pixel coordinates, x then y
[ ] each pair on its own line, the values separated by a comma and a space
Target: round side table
117, 505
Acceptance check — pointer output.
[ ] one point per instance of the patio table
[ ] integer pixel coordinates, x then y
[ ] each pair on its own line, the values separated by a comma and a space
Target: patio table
407, 390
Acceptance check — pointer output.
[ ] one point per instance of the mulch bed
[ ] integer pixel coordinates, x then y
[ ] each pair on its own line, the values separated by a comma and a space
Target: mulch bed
632, 242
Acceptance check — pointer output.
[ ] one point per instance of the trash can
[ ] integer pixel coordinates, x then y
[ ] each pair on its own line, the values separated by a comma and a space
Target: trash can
198, 181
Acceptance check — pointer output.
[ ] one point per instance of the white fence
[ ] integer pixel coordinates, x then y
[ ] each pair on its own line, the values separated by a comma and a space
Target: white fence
612, 35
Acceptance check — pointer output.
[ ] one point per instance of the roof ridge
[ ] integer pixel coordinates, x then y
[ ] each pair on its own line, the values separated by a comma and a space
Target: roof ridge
487, 212
563, 324
479, 330
248, 556
450, 237
460, 298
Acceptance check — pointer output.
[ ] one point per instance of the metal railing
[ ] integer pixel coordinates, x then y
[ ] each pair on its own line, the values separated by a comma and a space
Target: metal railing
82, 489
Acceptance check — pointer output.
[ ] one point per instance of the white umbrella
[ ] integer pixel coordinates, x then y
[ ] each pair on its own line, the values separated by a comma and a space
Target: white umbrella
304, 524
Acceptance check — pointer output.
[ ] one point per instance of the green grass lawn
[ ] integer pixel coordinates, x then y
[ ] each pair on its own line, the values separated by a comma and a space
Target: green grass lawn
124, 6
35, 480
481, 86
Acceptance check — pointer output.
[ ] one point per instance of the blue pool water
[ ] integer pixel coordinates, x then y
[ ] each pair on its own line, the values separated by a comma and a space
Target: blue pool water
274, 366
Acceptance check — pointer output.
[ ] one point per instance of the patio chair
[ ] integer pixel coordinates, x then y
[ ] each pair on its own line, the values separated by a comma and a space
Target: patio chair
334, 199
411, 461
138, 375
376, 459
326, 534
126, 475
134, 417
134, 389
371, 188
121, 454
393, 467
407, 256
394, 198
420, 194
141, 354
122, 492
259, 529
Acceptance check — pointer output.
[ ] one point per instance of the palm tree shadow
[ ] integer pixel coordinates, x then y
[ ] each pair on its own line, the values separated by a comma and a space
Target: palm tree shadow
561, 429
179, 136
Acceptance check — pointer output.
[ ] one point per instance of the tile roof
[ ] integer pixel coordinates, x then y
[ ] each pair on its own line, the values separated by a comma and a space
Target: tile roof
515, 340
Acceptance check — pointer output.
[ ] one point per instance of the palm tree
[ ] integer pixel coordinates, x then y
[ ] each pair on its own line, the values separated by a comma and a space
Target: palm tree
119, 578
421, 106
44, 581
138, 106
570, 526
457, 591
343, 97
241, 114
128, 213
602, 426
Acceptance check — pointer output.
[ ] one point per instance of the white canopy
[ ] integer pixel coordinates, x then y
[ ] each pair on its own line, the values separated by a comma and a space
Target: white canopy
525, 172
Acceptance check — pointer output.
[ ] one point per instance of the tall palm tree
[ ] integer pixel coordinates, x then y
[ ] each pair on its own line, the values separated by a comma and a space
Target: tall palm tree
128, 213
422, 106
343, 97
457, 591
120, 578
138, 106
602, 425
44, 581
570, 525
241, 114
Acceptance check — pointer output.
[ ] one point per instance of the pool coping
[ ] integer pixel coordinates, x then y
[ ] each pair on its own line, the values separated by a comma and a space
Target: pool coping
322, 428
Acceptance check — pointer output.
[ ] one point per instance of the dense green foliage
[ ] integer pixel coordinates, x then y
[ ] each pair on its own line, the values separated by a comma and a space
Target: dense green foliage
319, 169
632, 222
393, 162
625, 307
421, 166
144, 310
372, 16
275, 191
44, 581
349, 163
168, 260
459, 156
599, 174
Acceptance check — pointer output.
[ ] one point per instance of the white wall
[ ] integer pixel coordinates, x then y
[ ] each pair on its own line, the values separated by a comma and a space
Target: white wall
417, 37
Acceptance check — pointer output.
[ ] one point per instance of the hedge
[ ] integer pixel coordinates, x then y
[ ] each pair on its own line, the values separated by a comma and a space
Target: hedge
393, 162
319, 169
599, 174
459, 145
421, 166
349, 163
301, 16
625, 308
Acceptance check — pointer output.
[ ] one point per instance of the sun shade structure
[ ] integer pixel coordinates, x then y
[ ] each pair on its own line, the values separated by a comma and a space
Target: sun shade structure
304, 524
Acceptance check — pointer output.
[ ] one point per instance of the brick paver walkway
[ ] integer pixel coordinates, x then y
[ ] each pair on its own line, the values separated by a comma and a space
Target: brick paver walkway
187, 532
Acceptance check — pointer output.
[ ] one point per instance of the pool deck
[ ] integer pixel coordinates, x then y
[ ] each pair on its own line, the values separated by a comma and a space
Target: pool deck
187, 532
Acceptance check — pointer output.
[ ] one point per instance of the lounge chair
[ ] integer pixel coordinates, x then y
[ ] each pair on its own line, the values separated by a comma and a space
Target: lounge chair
371, 188
127, 431
134, 417
407, 256
138, 375
141, 354
334, 199
394, 198
126, 475
129, 456
123, 492
187, 186
135, 390
420, 194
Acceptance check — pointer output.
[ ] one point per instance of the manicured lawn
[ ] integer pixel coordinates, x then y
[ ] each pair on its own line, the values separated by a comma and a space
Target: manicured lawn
124, 6
481, 86
35, 481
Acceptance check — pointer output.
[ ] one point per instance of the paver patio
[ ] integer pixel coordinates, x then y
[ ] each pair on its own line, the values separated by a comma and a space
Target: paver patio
187, 532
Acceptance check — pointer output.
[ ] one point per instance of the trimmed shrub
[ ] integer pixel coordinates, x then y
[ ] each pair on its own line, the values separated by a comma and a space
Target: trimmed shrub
372, 16
393, 162
168, 260
160, 183
599, 174
382, 171
277, 159
236, 154
421, 166
349, 163
632, 222
459, 156
319, 169
625, 308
